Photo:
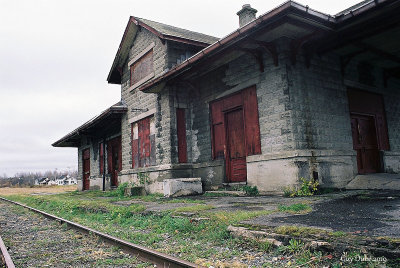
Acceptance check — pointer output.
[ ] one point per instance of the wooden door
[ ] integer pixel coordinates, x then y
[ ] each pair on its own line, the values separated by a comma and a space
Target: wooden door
86, 169
114, 154
236, 170
144, 142
365, 142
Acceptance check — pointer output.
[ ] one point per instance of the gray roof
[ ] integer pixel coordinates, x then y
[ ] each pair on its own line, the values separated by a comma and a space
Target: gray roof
179, 32
356, 6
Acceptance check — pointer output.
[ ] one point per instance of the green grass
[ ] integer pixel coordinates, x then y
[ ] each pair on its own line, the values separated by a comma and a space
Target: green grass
298, 231
196, 240
338, 234
295, 208
194, 209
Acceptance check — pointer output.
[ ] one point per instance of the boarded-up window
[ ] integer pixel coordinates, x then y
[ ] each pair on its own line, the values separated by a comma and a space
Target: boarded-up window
181, 131
101, 158
142, 68
143, 143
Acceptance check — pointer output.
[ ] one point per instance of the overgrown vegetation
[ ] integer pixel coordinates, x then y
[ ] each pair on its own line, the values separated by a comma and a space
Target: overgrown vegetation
119, 192
308, 187
295, 208
161, 231
250, 190
201, 238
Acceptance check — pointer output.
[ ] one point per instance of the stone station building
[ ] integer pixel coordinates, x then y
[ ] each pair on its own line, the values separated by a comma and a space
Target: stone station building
292, 93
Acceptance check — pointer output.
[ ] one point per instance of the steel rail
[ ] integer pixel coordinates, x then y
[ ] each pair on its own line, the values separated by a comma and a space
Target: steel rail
5, 257
142, 253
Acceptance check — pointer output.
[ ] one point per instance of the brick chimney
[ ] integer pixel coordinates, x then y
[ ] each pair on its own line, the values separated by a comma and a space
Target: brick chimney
246, 14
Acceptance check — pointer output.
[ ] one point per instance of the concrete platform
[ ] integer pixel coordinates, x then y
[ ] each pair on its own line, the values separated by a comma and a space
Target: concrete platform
382, 181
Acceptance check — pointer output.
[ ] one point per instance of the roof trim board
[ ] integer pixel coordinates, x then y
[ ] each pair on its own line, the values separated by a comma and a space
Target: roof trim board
69, 140
290, 7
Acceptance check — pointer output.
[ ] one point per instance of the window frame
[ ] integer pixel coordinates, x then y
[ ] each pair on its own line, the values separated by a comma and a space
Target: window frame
136, 63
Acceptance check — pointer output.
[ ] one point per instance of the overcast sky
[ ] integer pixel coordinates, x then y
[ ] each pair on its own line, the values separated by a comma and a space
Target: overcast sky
55, 56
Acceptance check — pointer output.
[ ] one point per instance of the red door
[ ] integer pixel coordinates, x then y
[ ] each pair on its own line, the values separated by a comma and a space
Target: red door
114, 157
144, 142
365, 142
86, 169
236, 148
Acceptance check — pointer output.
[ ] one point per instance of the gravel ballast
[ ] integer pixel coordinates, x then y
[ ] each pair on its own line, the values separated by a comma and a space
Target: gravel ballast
35, 241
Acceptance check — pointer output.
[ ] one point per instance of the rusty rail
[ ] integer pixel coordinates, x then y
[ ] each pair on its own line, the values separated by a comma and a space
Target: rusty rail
5, 257
142, 253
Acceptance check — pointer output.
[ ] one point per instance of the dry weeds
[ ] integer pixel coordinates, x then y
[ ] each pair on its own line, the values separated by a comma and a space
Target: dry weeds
37, 190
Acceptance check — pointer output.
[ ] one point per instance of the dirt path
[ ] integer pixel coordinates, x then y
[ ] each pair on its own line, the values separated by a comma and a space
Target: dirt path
35, 241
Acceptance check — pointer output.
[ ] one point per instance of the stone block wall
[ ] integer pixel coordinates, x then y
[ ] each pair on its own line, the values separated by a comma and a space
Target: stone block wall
96, 178
135, 99
303, 114
370, 78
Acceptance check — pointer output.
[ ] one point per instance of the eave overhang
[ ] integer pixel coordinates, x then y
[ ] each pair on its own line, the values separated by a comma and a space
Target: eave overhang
327, 27
287, 11
101, 126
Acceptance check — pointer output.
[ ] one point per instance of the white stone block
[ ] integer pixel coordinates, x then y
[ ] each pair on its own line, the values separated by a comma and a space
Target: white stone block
182, 187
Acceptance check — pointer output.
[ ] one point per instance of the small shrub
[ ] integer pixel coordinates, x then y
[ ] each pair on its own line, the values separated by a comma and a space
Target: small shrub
143, 178
119, 192
250, 190
295, 246
308, 187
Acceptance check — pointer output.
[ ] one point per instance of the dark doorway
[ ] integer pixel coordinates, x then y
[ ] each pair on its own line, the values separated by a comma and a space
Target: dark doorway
236, 170
114, 157
365, 142
86, 169
369, 129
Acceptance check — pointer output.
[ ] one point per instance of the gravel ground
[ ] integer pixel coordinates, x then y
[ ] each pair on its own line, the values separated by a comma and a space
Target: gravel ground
372, 213
35, 241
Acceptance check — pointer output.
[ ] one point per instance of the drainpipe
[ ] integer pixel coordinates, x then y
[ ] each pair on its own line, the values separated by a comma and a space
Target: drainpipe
104, 164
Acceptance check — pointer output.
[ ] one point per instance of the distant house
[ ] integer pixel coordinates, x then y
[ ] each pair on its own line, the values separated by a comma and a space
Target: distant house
42, 181
60, 180
66, 180
52, 182
291, 93
70, 181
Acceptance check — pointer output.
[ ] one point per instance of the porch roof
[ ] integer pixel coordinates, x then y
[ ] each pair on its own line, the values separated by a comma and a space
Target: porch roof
368, 29
100, 126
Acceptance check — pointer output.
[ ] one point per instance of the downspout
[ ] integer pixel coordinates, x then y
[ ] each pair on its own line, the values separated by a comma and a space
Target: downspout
104, 164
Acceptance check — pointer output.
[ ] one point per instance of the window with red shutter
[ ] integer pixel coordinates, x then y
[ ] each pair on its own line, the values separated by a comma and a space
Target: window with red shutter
143, 153
181, 130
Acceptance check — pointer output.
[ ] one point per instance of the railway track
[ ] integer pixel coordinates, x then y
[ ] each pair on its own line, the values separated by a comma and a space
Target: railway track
142, 253
5, 258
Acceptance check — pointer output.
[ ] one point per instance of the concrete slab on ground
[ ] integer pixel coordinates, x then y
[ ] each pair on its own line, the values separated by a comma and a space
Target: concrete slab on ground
382, 181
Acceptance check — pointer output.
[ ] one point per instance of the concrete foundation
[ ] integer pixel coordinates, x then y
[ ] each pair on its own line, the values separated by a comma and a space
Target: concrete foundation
182, 187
